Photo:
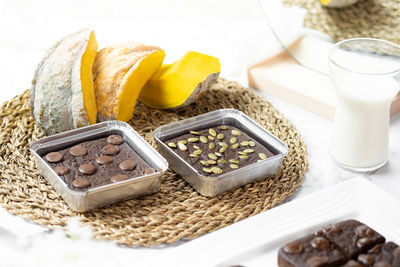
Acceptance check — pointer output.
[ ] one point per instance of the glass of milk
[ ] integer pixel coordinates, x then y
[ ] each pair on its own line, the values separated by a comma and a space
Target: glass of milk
366, 74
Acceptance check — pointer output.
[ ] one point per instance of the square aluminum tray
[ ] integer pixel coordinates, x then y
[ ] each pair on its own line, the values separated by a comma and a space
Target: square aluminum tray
105, 194
212, 186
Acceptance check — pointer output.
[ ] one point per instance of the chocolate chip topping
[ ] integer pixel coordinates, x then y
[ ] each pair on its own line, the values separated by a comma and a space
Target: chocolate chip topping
366, 259
115, 139
316, 261
103, 160
332, 229
78, 151
54, 157
352, 263
87, 168
147, 171
293, 248
81, 182
61, 170
364, 241
320, 243
127, 165
118, 178
111, 150
376, 249
364, 231
382, 264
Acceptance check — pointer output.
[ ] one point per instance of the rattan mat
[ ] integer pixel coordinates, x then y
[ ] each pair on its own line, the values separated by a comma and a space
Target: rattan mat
367, 18
177, 211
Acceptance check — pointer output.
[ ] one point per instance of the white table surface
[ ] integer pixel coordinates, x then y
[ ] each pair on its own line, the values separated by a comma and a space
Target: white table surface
232, 30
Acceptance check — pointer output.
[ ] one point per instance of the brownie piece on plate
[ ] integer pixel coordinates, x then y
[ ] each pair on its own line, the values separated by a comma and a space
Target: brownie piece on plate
310, 251
352, 237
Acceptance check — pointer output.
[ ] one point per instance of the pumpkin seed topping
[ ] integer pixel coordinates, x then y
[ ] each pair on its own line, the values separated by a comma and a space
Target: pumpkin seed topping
252, 143
248, 150
196, 147
193, 139
182, 142
223, 144
182, 146
211, 161
220, 136
244, 143
203, 139
207, 170
218, 154
223, 127
223, 149
222, 161
235, 132
243, 157
211, 146
193, 155
212, 156
198, 152
233, 161
212, 132
233, 140
234, 146
204, 162
171, 144
211, 138
262, 156
241, 153
216, 170
194, 132
234, 166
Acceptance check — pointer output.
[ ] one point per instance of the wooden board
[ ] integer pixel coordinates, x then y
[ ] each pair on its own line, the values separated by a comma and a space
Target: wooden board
283, 77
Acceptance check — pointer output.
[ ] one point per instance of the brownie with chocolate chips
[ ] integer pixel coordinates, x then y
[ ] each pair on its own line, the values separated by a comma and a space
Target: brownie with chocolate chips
97, 162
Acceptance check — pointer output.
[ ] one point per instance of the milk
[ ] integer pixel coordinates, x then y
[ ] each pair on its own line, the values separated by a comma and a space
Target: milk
361, 127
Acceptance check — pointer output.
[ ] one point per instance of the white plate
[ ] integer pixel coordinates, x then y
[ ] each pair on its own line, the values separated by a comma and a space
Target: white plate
255, 241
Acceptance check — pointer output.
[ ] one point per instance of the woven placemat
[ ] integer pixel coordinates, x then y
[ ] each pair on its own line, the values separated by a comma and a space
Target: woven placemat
177, 211
367, 18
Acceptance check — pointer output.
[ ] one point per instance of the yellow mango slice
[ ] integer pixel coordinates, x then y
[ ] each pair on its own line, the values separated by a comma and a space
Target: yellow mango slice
62, 94
120, 71
181, 83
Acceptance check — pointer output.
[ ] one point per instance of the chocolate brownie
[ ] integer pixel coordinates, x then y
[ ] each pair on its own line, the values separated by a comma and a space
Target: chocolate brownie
352, 237
97, 162
217, 150
310, 251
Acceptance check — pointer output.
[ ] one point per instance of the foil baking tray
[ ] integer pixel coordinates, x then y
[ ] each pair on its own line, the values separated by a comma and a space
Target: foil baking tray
212, 186
109, 193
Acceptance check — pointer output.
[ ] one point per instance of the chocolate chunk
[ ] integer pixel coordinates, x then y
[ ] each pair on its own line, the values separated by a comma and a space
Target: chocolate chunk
352, 263
54, 157
127, 165
320, 243
118, 178
61, 170
87, 168
383, 264
103, 160
376, 249
147, 171
293, 248
81, 182
115, 139
316, 261
111, 150
364, 242
364, 231
366, 259
332, 229
78, 151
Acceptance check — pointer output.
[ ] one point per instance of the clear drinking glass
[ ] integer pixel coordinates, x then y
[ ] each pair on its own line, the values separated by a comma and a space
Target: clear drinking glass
365, 73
